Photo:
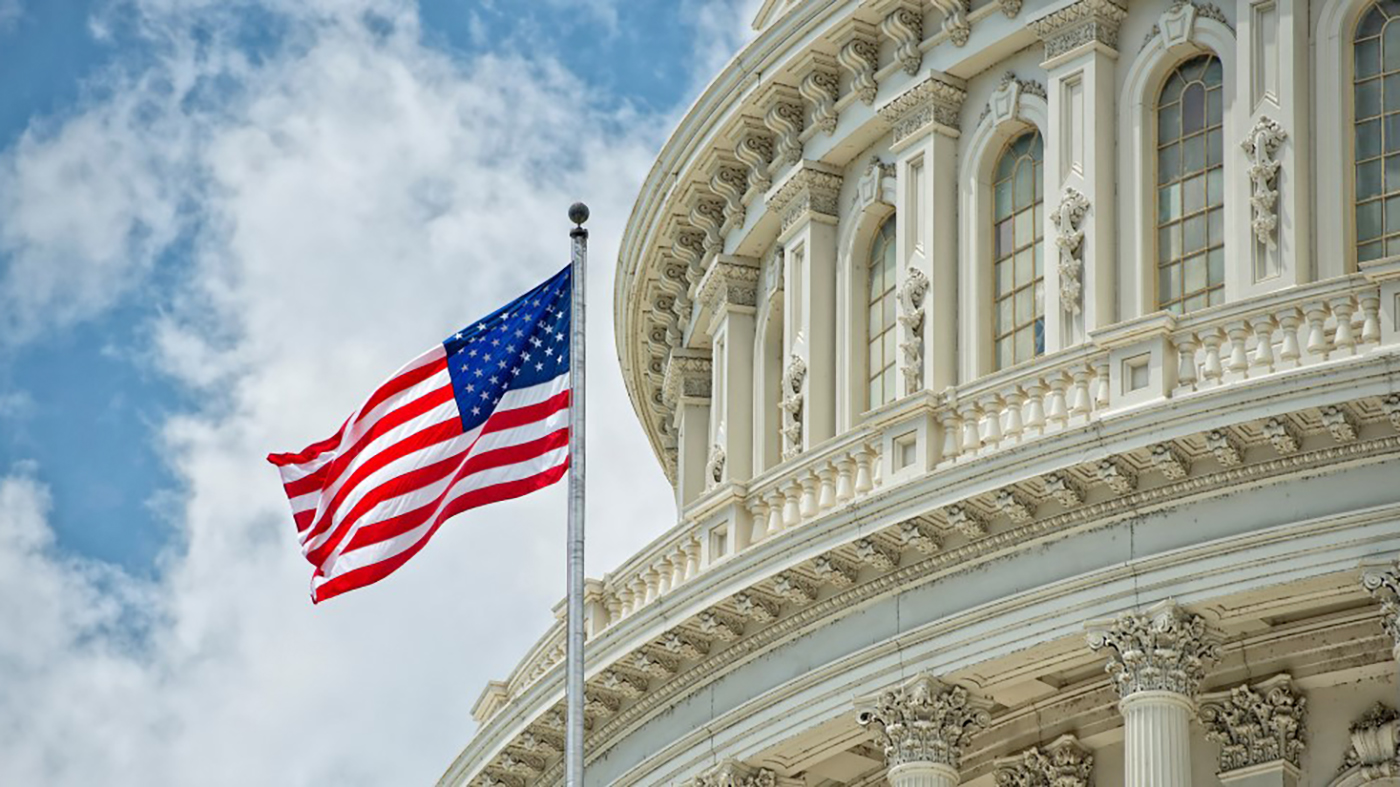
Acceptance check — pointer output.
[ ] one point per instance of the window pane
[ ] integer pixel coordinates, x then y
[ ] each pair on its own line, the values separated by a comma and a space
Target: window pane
1005, 279
1392, 214
1024, 306
1370, 25
1195, 273
1216, 230
1003, 199
1005, 244
1214, 71
1193, 195
889, 308
1368, 98
1370, 251
1168, 123
1368, 220
1039, 335
1215, 264
1197, 302
1390, 48
1004, 311
1172, 90
1392, 173
1025, 228
1169, 283
1214, 112
1169, 242
1368, 139
1040, 259
1392, 131
1368, 179
1194, 234
1215, 147
1168, 164
1025, 343
1169, 203
1024, 267
1215, 186
1193, 109
1004, 353
1193, 153
890, 337
1025, 185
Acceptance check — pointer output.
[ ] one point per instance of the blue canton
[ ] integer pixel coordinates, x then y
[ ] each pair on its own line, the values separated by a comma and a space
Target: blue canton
524, 343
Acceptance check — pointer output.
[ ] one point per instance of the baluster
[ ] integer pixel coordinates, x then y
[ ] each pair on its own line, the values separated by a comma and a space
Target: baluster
826, 498
1015, 415
1186, 363
624, 600
758, 509
1035, 408
1371, 323
791, 512
991, 420
639, 593
662, 569
1210, 368
1058, 411
614, 607
952, 435
678, 572
972, 435
1239, 339
1288, 322
1264, 343
692, 557
1102, 390
1344, 339
651, 583
1317, 333
774, 499
808, 507
877, 472
864, 478
1079, 402
845, 478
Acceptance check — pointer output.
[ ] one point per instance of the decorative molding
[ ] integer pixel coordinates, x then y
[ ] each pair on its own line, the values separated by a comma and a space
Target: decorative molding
731, 182
1282, 434
1375, 744
874, 552
1068, 219
920, 536
1085, 22
714, 467
1167, 458
791, 404
1384, 586
730, 281
1064, 763
689, 374
1391, 406
1162, 649
860, 55
966, 520
1117, 475
1340, 423
911, 318
1227, 450
732, 773
1256, 724
821, 88
905, 26
934, 101
1017, 507
807, 189
1005, 103
1012, 8
1180, 22
923, 721
955, 22
1261, 147
785, 117
1064, 488
877, 185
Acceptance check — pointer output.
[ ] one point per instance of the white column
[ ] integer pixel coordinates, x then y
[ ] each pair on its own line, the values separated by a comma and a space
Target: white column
686, 388
1158, 659
1081, 43
923, 727
728, 294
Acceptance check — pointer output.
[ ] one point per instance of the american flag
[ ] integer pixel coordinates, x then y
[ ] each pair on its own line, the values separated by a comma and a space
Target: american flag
481, 417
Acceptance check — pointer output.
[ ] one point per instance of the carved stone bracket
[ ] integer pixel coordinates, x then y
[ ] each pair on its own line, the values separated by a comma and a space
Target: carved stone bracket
785, 117
934, 102
1010, 7
1064, 763
1256, 724
923, 721
1384, 586
955, 22
1162, 649
821, 88
807, 189
1375, 744
1068, 219
793, 378
876, 185
731, 182
905, 26
1005, 103
911, 318
755, 151
1084, 22
860, 55
707, 213
1261, 147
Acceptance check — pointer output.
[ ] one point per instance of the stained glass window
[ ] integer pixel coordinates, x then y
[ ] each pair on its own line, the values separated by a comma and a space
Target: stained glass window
1376, 114
881, 311
1191, 187
1018, 251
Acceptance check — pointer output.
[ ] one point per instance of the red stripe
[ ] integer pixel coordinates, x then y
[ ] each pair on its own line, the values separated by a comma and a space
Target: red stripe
391, 420
502, 420
311, 451
368, 575
437, 433
402, 383
306, 484
487, 460
304, 518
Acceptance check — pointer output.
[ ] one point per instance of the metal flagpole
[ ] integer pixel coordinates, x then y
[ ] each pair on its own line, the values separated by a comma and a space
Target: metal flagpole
573, 671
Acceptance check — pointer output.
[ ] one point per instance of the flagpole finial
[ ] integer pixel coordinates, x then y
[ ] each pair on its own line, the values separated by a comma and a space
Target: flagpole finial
578, 214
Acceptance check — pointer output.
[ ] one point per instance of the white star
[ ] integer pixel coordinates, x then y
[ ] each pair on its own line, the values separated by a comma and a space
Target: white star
515, 371
458, 335
539, 367
495, 342
481, 326
502, 364
471, 388
476, 411
485, 395
471, 354
478, 372
525, 357
535, 340
494, 380
519, 333
464, 366
549, 351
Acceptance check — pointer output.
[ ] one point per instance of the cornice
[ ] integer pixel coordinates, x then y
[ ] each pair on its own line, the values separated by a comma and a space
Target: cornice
688, 375
935, 102
1085, 22
809, 189
730, 281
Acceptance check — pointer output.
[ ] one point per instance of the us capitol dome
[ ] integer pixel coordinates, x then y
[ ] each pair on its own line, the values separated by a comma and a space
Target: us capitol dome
1028, 374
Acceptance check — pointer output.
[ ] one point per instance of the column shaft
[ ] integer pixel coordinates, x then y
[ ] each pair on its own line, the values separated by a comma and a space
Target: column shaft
1157, 739
923, 774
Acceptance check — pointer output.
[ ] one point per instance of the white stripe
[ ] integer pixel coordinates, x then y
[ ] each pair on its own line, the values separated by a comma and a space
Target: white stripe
383, 550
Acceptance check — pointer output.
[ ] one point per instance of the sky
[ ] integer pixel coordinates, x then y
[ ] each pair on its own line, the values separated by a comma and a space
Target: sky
222, 222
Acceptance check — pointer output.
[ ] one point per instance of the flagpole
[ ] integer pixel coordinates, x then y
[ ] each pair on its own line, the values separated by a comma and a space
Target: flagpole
573, 668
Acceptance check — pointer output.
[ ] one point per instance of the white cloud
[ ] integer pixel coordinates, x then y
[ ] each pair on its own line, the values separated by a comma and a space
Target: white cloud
346, 201
10, 12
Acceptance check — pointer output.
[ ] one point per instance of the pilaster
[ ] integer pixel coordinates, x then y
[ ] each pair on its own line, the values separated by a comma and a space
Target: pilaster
1157, 660
806, 202
729, 294
923, 727
687, 388
1081, 47
925, 119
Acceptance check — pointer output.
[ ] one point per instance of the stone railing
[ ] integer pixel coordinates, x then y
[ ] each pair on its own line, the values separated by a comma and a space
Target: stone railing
1140, 363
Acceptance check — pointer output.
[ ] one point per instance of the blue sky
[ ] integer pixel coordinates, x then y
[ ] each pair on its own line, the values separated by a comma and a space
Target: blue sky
221, 222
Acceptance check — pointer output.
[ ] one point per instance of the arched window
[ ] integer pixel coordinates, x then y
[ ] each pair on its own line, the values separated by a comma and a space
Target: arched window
1376, 61
1191, 187
880, 308
1018, 251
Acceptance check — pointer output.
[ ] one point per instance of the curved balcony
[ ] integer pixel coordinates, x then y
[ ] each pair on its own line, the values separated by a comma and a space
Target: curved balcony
1143, 414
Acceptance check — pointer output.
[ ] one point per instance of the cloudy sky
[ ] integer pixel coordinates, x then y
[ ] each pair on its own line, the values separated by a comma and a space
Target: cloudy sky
221, 223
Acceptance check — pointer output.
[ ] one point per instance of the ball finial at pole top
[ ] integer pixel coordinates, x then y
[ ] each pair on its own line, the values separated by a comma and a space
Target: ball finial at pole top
578, 213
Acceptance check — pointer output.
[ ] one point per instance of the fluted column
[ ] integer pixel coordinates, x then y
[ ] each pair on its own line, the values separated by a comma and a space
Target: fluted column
923, 726
1158, 659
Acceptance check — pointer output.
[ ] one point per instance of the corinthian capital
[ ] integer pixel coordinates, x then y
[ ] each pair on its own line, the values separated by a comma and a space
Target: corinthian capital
1087, 22
732, 773
923, 721
1162, 649
1256, 724
1384, 585
1064, 763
